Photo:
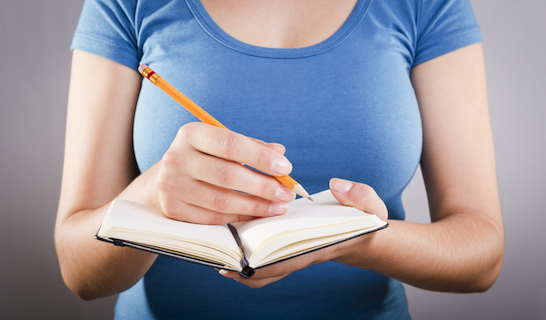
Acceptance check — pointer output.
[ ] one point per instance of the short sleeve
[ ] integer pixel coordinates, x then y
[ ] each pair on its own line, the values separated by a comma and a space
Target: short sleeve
444, 26
107, 28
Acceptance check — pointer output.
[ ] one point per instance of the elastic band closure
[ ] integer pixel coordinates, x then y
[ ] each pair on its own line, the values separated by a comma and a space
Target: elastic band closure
246, 271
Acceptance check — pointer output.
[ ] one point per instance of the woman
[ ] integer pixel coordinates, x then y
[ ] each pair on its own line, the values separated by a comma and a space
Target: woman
358, 91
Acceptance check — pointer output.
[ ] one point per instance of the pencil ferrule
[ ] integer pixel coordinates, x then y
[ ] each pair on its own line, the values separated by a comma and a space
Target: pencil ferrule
149, 74
153, 77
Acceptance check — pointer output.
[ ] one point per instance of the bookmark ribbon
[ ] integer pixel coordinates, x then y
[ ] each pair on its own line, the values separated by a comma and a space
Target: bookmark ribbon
247, 271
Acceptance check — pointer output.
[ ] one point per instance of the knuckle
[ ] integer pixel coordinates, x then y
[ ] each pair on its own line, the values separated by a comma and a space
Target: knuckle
170, 159
163, 182
187, 129
187, 132
228, 142
258, 210
364, 192
226, 174
366, 197
266, 188
221, 202
262, 156
183, 132
176, 162
169, 208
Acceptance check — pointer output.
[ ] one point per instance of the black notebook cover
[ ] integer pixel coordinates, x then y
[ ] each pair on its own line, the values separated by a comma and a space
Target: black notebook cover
247, 271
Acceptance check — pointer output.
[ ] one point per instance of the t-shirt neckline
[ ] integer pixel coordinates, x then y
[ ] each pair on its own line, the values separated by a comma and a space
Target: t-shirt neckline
212, 29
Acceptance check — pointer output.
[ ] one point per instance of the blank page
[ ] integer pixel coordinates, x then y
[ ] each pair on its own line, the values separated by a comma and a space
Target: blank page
131, 216
302, 214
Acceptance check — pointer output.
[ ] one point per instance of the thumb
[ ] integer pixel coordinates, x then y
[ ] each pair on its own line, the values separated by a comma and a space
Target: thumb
360, 196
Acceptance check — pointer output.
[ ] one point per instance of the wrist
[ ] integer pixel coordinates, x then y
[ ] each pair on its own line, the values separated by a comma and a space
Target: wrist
363, 251
144, 188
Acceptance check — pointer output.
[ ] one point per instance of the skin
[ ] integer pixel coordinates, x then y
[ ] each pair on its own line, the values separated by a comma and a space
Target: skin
461, 250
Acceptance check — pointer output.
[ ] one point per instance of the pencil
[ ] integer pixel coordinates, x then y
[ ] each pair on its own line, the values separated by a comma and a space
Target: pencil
202, 115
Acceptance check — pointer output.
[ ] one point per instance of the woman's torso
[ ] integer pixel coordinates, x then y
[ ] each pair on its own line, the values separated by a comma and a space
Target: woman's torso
343, 107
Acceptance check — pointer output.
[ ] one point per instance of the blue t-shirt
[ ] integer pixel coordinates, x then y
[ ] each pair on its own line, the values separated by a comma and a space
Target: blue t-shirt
342, 108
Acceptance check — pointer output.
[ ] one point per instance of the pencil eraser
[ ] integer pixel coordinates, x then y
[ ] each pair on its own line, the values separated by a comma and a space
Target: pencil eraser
142, 67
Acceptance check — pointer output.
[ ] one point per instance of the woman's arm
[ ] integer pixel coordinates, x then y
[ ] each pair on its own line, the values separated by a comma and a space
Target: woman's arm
462, 249
98, 165
193, 182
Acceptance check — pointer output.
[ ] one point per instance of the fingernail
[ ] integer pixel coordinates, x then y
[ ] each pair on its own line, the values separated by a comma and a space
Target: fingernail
223, 272
340, 185
281, 166
276, 209
284, 194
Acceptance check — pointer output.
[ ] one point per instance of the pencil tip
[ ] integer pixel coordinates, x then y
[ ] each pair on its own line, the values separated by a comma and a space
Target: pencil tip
142, 67
311, 199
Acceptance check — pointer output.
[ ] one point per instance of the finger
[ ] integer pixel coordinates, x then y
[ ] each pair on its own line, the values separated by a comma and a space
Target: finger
284, 268
275, 146
358, 195
229, 274
258, 283
223, 200
182, 211
253, 282
277, 271
175, 187
231, 175
235, 147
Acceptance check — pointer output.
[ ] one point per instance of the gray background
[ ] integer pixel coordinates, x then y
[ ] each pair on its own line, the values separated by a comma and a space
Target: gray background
35, 62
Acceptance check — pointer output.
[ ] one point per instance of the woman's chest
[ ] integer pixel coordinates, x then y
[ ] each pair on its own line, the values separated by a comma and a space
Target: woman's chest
344, 108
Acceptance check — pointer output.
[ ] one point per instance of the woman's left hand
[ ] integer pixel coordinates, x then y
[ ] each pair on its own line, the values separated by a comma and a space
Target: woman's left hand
349, 193
360, 196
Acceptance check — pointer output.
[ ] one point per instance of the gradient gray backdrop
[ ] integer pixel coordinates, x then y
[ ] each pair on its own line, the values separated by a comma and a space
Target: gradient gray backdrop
35, 62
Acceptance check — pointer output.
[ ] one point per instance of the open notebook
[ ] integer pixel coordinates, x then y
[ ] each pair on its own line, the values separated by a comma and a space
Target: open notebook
241, 246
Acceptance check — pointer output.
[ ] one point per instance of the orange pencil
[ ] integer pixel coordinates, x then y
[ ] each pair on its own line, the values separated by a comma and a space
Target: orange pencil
207, 118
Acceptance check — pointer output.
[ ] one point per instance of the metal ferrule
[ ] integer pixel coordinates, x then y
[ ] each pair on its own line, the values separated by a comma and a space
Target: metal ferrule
150, 75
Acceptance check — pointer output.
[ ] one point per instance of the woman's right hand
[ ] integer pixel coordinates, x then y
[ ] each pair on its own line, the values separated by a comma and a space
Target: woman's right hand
201, 180
193, 182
